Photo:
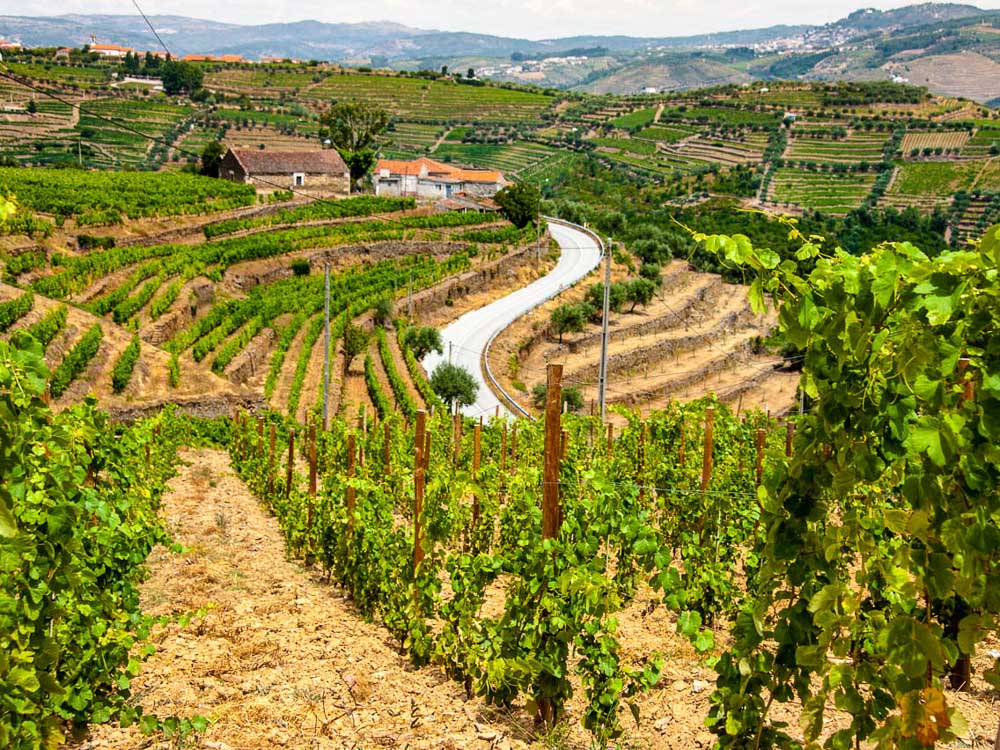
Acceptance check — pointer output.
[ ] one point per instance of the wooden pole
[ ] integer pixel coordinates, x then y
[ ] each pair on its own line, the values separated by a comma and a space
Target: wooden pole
475, 472
503, 448
513, 449
271, 461
351, 496
761, 440
563, 445
706, 463
419, 441
260, 437
312, 460
640, 462
789, 434
611, 439
291, 463
550, 480
456, 428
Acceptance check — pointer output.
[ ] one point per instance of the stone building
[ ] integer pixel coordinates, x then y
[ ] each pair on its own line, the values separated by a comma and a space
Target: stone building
320, 172
426, 178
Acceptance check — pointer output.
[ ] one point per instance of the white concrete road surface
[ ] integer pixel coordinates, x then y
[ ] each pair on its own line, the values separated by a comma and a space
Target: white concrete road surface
470, 334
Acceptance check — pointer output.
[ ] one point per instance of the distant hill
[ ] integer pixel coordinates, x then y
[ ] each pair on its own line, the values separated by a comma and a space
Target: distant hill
868, 44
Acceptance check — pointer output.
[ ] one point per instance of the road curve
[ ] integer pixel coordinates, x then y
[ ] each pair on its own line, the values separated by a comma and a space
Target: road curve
469, 336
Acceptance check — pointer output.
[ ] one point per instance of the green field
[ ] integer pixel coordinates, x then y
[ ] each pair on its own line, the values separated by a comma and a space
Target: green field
633, 145
508, 158
636, 119
935, 178
667, 133
721, 115
856, 147
422, 100
831, 193
107, 197
63, 74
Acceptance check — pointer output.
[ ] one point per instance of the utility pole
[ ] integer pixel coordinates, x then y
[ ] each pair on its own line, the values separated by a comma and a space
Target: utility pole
602, 382
326, 350
449, 352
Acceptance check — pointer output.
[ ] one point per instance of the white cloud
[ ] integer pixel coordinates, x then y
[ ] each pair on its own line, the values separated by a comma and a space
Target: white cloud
533, 19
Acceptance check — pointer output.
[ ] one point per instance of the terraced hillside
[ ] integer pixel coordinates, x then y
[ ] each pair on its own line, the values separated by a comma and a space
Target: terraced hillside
697, 336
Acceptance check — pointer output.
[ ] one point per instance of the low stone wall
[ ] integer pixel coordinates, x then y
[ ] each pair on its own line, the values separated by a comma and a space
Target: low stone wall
250, 360
727, 325
170, 323
207, 407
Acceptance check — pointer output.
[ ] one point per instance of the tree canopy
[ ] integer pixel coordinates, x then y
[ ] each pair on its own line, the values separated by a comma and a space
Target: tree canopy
454, 384
520, 203
353, 128
422, 340
180, 77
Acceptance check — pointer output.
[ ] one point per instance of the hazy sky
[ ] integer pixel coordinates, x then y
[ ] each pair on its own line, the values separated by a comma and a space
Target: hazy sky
534, 19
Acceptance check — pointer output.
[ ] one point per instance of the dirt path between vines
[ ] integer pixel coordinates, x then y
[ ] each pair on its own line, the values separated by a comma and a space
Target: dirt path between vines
281, 659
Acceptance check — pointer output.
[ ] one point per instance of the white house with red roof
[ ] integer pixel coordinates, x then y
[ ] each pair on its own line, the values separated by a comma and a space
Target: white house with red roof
426, 178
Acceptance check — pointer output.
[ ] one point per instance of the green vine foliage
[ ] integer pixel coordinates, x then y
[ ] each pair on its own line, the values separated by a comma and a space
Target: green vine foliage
508, 615
78, 517
880, 562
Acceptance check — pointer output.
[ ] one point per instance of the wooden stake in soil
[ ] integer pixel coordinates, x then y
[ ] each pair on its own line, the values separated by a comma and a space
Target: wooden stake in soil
611, 439
553, 436
312, 460
290, 464
351, 448
789, 434
476, 436
260, 437
640, 461
513, 449
761, 440
563, 445
456, 428
706, 463
271, 461
419, 444
503, 448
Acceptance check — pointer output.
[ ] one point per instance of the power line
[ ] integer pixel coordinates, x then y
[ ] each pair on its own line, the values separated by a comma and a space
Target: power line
151, 28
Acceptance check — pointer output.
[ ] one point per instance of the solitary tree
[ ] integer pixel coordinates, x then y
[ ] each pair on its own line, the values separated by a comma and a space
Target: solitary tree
32, 107
571, 397
454, 384
520, 203
211, 158
570, 318
639, 291
422, 340
354, 128
180, 77
355, 342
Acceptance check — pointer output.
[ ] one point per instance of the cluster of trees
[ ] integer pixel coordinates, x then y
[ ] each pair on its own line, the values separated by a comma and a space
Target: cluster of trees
635, 292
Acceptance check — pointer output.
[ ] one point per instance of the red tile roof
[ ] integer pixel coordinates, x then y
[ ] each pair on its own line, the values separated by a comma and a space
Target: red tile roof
438, 170
325, 161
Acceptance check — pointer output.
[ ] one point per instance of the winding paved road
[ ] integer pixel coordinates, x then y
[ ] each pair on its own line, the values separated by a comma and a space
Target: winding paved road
470, 334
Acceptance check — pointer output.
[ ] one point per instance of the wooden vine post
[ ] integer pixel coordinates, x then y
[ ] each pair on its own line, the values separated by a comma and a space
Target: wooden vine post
789, 435
553, 449
456, 428
761, 441
640, 461
563, 445
351, 448
706, 462
312, 460
476, 455
611, 439
513, 449
271, 461
503, 448
260, 437
960, 677
419, 445
290, 464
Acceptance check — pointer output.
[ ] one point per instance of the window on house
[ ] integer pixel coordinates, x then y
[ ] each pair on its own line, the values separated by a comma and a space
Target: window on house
299, 179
